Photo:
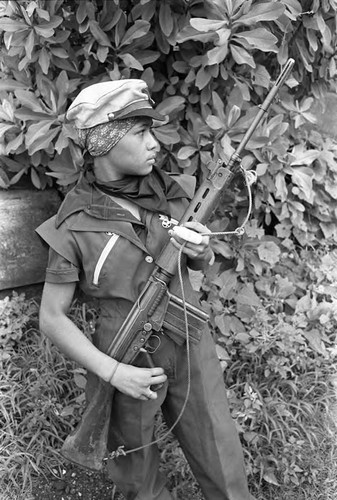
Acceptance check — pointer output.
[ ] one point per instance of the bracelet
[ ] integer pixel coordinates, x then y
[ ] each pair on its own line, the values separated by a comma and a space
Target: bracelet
114, 371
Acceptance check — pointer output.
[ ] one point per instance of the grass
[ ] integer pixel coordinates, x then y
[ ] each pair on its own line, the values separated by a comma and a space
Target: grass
288, 429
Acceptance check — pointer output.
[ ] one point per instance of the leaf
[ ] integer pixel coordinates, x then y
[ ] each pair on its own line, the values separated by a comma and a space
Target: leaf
228, 280
270, 477
99, 35
248, 297
80, 380
4, 179
281, 187
38, 133
12, 26
222, 323
46, 30
28, 99
260, 38
8, 85
233, 115
189, 33
269, 252
223, 356
315, 340
214, 122
102, 53
4, 127
130, 61
44, 60
241, 56
167, 134
304, 157
170, 105
59, 52
14, 145
203, 78
35, 178
29, 44
304, 182
18, 176
217, 55
137, 30
206, 25
165, 19
267, 11
43, 14
185, 152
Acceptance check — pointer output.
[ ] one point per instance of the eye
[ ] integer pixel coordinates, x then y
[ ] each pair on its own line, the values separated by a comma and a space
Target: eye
143, 130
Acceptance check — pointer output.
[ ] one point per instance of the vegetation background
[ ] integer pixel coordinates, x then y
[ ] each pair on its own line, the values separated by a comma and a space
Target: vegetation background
271, 294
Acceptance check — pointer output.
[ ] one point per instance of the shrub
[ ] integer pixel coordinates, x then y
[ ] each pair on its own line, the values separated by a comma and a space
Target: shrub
208, 64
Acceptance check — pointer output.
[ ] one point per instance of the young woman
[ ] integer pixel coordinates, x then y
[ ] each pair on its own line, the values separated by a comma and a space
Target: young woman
105, 238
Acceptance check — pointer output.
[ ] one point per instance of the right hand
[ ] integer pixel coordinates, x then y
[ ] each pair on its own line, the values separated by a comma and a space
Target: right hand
136, 382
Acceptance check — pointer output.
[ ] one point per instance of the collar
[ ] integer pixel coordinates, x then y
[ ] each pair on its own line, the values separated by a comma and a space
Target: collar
85, 197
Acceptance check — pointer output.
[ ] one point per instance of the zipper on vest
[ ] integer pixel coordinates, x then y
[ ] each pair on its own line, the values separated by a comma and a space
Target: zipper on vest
102, 258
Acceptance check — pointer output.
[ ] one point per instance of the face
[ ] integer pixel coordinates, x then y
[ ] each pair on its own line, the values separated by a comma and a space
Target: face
134, 154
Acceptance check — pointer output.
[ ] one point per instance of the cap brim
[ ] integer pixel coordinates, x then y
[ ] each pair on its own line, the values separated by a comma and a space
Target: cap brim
144, 112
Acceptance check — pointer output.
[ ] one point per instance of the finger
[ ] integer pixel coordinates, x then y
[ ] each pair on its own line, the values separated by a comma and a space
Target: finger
157, 371
176, 243
197, 226
159, 379
150, 394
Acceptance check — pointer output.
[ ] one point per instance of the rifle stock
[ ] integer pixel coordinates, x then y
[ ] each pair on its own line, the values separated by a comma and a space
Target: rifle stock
86, 445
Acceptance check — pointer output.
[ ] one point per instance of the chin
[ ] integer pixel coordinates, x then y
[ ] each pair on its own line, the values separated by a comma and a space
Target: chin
145, 171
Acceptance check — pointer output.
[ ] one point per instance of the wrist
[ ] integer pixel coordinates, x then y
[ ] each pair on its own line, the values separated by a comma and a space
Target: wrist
108, 369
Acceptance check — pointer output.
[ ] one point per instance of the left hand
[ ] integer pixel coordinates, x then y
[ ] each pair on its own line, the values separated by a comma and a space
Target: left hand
201, 251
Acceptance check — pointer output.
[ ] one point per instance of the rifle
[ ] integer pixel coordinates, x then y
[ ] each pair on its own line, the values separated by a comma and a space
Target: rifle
86, 445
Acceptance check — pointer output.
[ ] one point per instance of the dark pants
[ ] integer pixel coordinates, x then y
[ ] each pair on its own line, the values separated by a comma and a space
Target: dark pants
206, 432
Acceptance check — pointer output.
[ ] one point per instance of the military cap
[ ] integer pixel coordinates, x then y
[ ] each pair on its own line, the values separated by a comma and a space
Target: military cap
113, 100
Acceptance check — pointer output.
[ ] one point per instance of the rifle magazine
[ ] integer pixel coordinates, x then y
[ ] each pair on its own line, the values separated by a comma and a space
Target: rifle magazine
174, 322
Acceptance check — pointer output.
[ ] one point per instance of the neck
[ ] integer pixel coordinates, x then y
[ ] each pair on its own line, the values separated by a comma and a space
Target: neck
103, 170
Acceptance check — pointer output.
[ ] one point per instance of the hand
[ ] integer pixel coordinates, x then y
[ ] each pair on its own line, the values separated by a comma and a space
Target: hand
136, 382
195, 251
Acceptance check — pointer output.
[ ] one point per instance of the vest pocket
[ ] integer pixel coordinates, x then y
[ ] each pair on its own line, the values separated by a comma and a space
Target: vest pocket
102, 258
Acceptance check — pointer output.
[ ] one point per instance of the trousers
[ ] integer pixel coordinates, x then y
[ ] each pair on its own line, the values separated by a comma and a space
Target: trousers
206, 432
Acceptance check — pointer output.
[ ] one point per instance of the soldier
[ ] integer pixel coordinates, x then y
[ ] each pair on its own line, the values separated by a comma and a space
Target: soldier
106, 236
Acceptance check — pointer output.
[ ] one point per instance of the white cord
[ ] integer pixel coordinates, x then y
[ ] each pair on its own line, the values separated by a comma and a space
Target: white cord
250, 178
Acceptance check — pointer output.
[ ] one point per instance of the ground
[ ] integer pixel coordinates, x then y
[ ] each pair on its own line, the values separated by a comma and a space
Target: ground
74, 483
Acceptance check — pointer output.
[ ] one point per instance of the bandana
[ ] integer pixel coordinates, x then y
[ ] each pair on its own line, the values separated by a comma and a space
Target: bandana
152, 191
100, 139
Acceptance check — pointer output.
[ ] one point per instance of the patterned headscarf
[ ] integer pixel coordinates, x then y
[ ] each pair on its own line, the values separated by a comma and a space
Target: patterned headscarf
100, 139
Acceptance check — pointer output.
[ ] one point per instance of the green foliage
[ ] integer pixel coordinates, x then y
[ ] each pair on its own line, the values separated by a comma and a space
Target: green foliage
41, 396
208, 64
276, 338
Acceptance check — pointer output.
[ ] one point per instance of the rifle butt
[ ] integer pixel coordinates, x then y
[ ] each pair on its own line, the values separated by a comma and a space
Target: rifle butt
86, 446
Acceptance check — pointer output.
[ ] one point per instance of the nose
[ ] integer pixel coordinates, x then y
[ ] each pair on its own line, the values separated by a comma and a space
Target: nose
152, 142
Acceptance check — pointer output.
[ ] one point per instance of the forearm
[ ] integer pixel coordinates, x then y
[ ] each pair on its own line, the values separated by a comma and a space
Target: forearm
75, 345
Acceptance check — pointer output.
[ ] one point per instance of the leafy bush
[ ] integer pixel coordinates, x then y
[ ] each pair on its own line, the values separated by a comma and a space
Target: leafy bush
276, 337
208, 64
